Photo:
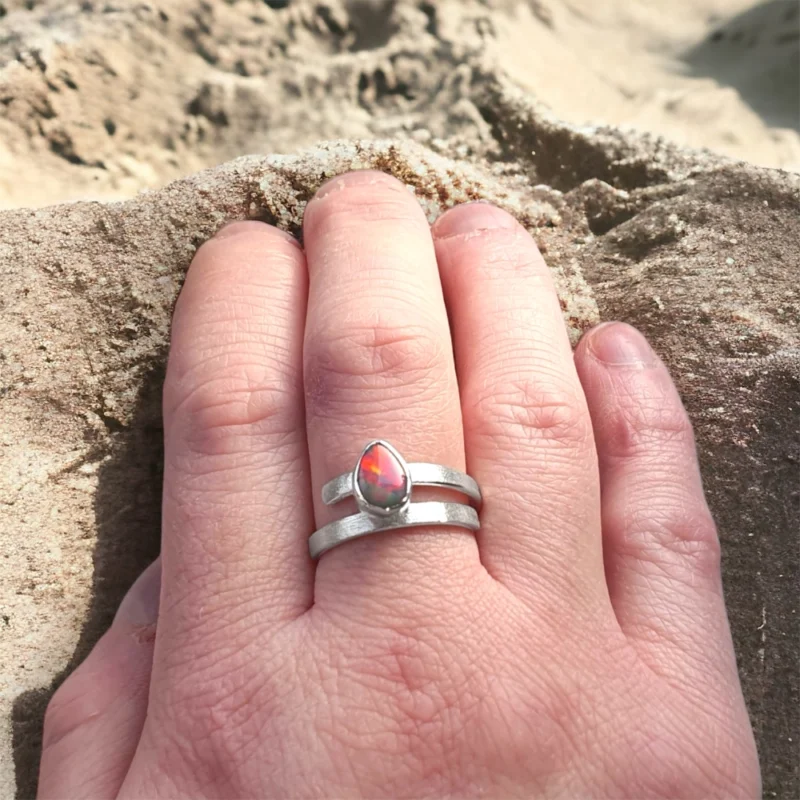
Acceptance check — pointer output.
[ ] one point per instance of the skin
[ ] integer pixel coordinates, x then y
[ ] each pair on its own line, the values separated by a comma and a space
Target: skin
577, 646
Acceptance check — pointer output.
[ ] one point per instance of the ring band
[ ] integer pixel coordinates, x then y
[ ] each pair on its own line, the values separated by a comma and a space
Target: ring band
422, 474
382, 484
357, 525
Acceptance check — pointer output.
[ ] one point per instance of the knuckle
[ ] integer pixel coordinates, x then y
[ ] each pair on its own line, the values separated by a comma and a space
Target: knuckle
236, 373
234, 360
676, 535
387, 351
693, 537
250, 395
648, 425
72, 707
544, 410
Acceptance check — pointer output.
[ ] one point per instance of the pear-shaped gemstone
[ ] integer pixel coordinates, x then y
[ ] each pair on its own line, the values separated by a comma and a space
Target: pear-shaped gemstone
382, 480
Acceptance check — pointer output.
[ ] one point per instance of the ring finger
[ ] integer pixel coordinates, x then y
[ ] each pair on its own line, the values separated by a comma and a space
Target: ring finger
528, 431
378, 365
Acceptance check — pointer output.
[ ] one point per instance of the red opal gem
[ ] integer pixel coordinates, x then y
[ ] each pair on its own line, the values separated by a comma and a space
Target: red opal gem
382, 480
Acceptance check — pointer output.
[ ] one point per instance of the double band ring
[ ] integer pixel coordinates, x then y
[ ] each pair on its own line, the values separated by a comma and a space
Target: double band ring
382, 484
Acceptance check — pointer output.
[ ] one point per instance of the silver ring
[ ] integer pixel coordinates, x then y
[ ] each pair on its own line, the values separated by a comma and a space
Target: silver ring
382, 484
421, 474
428, 513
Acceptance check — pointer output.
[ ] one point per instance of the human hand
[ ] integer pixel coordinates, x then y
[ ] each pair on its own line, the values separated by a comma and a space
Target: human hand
576, 646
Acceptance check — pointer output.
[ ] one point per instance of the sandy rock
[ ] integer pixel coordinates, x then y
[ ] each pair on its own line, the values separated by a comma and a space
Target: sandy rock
700, 253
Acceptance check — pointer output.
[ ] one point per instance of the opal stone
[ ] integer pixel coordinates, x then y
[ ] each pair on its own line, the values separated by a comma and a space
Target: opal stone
381, 478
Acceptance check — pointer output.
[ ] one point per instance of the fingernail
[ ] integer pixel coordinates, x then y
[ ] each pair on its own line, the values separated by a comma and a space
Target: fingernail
248, 226
471, 217
139, 607
620, 344
363, 177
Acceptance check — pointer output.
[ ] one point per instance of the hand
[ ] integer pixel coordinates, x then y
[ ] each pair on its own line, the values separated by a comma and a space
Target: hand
577, 646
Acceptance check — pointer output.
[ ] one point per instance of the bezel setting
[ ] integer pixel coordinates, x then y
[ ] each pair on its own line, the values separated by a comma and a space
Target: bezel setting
362, 502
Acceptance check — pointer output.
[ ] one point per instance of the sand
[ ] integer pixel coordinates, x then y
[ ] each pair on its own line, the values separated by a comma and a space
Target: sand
717, 74
99, 101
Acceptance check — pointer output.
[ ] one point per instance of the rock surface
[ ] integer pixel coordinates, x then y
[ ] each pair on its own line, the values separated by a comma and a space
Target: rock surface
700, 253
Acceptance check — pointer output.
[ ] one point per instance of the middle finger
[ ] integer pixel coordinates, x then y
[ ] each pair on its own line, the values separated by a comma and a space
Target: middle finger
378, 365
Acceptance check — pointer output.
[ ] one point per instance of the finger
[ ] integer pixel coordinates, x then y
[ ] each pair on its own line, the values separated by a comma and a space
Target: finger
236, 509
94, 720
378, 364
661, 548
527, 430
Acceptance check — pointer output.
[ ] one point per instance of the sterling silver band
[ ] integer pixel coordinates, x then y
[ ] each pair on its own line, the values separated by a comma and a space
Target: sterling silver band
357, 525
422, 474
382, 483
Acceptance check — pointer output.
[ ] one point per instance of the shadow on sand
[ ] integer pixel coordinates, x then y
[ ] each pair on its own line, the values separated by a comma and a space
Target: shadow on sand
757, 53
128, 518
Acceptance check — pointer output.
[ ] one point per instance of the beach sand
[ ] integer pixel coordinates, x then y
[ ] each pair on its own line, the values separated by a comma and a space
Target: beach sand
115, 98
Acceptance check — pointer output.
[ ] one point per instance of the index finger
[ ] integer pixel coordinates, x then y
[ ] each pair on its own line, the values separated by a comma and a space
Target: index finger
236, 509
